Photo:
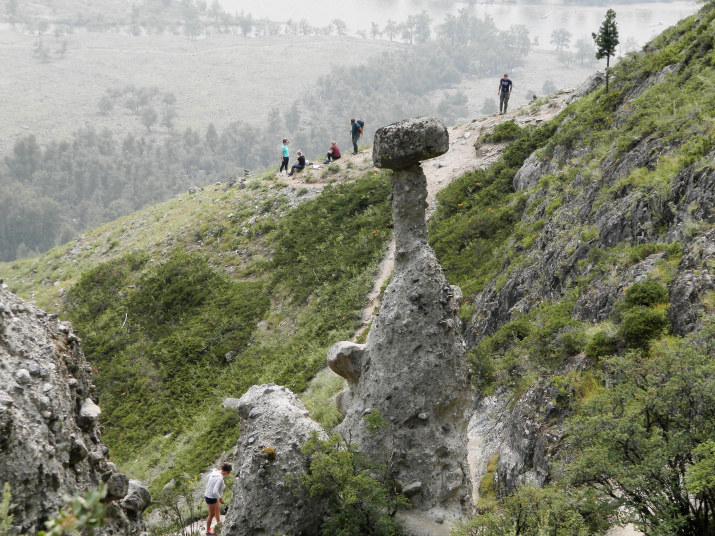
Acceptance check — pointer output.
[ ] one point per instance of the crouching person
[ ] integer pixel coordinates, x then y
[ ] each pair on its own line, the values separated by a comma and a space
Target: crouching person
214, 490
333, 153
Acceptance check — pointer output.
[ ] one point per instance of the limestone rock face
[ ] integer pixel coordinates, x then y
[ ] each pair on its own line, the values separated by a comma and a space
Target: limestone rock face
274, 425
412, 366
50, 443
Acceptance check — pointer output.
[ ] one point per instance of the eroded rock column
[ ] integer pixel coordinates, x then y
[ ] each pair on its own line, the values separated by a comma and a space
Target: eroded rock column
412, 367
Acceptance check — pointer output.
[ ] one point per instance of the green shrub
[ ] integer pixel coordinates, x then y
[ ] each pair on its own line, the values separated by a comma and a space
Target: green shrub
506, 131
640, 325
347, 481
533, 511
646, 293
478, 212
601, 345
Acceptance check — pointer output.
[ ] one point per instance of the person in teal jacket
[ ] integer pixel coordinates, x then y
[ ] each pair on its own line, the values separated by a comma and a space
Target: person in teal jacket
285, 155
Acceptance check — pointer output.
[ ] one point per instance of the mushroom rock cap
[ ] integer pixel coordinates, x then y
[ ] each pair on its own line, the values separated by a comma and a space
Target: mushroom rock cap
407, 142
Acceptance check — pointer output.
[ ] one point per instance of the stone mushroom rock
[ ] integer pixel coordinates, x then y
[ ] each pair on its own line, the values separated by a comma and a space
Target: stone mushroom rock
408, 142
412, 368
274, 425
50, 442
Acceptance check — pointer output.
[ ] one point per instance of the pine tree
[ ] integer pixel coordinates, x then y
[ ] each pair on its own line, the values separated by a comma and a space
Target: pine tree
607, 40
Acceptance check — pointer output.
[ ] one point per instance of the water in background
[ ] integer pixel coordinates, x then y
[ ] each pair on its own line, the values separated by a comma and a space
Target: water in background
640, 21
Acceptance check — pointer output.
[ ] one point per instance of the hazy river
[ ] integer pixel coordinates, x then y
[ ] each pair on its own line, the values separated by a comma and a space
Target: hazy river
640, 21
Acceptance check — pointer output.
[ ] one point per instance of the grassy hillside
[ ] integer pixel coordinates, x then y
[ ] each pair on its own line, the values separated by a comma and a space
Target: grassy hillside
196, 299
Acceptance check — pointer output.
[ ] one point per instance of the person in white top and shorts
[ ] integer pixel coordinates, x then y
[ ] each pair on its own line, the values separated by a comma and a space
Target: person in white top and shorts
214, 489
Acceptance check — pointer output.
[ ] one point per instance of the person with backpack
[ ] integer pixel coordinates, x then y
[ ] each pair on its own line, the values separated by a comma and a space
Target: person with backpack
505, 87
356, 130
214, 490
298, 165
285, 155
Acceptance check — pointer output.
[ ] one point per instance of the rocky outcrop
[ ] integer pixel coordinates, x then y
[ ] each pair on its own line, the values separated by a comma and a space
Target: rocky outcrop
50, 442
607, 232
274, 425
589, 85
692, 283
412, 367
533, 432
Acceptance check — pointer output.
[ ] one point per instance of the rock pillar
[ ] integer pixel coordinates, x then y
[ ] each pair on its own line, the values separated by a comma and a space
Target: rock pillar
412, 367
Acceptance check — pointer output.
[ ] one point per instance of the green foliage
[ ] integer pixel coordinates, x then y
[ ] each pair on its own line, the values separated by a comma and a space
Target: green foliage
105, 282
601, 345
375, 423
538, 341
313, 247
607, 40
84, 514
531, 511
478, 212
487, 489
6, 507
640, 325
357, 503
643, 442
506, 131
319, 398
160, 349
646, 293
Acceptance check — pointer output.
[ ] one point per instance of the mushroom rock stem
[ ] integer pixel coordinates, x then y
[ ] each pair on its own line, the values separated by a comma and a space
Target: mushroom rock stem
409, 201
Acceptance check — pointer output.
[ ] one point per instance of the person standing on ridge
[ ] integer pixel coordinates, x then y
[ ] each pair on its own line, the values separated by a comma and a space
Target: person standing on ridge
285, 155
505, 87
356, 131
214, 489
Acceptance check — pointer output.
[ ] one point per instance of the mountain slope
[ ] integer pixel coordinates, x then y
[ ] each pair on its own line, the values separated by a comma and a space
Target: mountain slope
583, 261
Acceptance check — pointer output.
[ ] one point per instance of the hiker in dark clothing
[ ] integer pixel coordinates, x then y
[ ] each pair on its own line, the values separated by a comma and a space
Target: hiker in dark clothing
356, 131
333, 153
505, 87
298, 165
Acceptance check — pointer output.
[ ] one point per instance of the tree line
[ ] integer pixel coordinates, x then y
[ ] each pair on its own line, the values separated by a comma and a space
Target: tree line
52, 191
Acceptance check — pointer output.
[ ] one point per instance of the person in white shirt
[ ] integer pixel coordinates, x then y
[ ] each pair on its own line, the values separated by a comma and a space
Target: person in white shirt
214, 489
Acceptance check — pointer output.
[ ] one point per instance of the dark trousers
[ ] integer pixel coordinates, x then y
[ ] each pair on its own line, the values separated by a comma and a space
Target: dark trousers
296, 167
284, 164
503, 100
356, 138
330, 157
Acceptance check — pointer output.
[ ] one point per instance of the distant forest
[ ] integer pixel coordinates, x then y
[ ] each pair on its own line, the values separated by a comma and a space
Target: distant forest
50, 191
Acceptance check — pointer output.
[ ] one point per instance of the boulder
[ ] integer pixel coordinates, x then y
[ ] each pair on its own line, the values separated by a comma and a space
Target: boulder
274, 424
137, 498
408, 142
345, 359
